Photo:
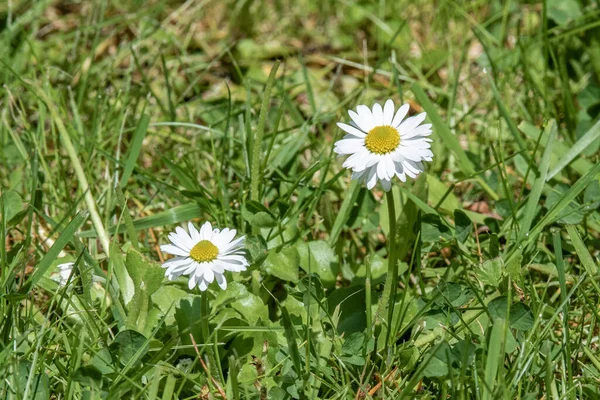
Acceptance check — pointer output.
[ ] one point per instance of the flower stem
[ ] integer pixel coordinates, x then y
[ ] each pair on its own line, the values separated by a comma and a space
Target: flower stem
391, 285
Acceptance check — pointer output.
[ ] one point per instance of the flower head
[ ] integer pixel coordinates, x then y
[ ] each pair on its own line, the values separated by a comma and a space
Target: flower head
382, 144
204, 255
61, 276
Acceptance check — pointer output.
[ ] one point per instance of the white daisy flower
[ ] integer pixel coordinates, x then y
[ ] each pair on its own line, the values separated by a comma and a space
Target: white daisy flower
62, 275
382, 144
204, 255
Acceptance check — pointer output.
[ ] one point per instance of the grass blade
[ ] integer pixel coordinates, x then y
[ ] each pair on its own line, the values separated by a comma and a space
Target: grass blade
344, 212
443, 131
65, 237
581, 165
588, 138
582, 252
167, 217
538, 185
134, 150
258, 138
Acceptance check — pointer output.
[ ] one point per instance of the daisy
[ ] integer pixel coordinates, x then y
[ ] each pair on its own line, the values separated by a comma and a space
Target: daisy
382, 144
204, 255
62, 275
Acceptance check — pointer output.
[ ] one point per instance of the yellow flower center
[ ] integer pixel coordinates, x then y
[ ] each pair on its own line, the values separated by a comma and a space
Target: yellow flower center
204, 251
382, 139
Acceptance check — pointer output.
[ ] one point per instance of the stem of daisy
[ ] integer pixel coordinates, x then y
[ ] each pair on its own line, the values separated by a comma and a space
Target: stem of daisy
255, 172
204, 314
391, 285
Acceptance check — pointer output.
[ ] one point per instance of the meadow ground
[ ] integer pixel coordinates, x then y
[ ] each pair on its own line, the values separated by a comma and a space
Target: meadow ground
122, 120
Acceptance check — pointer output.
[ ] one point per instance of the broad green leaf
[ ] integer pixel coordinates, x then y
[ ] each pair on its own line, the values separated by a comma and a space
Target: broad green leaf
520, 317
490, 272
142, 270
563, 11
438, 191
463, 227
452, 293
249, 306
88, 375
282, 264
317, 257
257, 215
13, 205
166, 298
439, 361
433, 229
129, 346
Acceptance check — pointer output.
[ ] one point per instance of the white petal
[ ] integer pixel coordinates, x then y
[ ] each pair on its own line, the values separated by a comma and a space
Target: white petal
175, 261
411, 123
358, 160
372, 179
417, 143
348, 146
366, 121
232, 246
206, 231
400, 114
183, 236
169, 248
209, 275
224, 238
180, 242
388, 112
203, 285
351, 130
221, 281
195, 235
377, 114
422, 130
387, 185
381, 171
192, 282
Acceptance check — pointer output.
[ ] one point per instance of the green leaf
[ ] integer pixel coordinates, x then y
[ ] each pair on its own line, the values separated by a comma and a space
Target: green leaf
144, 273
249, 306
283, 264
317, 257
166, 298
439, 361
463, 227
438, 191
563, 11
13, 206
520, 317
433, 229
257, 215
491, 272
88, 375
256, 248
129, 346
452, 293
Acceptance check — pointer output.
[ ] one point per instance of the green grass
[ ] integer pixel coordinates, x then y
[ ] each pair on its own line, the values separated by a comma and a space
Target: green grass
121, 120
